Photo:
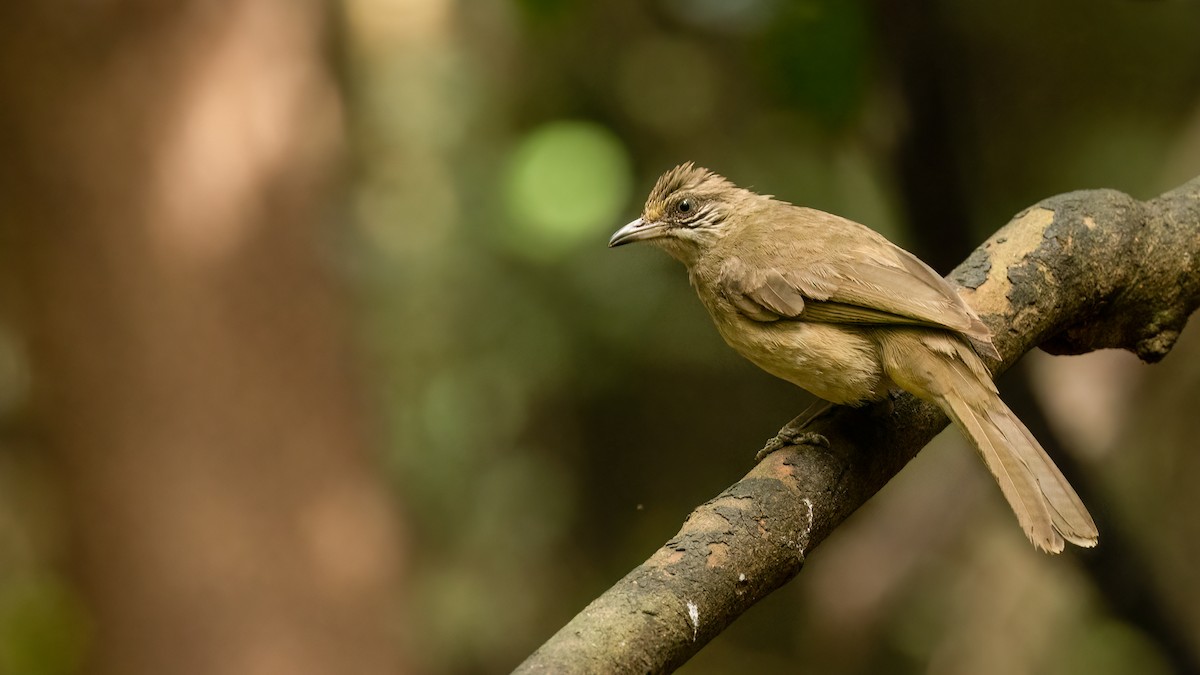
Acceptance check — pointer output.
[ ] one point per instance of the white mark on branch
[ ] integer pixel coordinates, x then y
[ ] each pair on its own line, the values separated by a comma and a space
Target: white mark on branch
694, 615
807, 529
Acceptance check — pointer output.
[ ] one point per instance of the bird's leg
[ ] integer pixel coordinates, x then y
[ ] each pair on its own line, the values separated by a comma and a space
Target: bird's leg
793, 432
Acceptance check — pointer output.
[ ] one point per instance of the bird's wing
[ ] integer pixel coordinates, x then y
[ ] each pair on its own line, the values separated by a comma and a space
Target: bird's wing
762, 295
868, 285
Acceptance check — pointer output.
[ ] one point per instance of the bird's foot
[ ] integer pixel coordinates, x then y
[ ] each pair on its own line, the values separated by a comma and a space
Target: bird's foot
788, 436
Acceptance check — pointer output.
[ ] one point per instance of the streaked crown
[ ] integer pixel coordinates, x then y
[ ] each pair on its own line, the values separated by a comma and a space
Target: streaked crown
685, 180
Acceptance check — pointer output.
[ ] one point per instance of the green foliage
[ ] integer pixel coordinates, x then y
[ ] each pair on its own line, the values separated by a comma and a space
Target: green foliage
816, 55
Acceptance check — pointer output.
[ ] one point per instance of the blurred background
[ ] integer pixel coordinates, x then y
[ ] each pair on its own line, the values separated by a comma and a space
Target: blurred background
313, 357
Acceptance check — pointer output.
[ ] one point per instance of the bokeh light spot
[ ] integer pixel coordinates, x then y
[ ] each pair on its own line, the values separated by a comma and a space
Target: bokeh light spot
567, 182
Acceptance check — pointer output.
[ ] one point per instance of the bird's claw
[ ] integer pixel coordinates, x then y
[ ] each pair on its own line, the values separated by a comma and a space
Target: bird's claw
787, 437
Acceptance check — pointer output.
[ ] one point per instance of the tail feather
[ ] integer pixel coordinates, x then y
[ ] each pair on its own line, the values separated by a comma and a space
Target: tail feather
943, 369
1017, 480
1070, 516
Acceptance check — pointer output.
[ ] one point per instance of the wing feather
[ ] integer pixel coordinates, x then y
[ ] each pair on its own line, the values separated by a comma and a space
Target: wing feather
875, 282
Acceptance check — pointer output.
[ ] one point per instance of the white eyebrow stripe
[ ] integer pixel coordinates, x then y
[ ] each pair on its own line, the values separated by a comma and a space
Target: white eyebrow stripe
707, 215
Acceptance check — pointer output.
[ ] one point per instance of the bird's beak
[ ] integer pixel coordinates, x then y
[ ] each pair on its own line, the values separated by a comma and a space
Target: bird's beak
638, 230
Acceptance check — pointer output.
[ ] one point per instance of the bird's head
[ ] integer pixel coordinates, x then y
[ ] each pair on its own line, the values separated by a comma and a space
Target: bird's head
689, 210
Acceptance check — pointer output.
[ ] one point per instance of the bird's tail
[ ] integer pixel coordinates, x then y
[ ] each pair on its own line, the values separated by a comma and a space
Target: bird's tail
1046, 506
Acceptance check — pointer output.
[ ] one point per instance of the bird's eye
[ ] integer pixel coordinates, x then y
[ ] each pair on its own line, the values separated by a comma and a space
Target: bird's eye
685, 206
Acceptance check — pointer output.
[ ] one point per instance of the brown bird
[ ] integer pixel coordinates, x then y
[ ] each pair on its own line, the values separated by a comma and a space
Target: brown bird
835, 308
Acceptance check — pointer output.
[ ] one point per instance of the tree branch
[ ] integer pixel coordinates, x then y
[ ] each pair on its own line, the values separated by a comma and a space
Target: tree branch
1077, 272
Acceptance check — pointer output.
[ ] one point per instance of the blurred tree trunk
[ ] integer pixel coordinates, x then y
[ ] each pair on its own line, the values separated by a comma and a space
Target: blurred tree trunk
165, 167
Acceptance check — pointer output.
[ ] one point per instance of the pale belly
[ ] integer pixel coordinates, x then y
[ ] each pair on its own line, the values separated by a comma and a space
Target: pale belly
836, 363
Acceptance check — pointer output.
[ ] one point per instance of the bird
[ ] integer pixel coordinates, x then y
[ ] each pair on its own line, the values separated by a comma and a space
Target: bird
837, 309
